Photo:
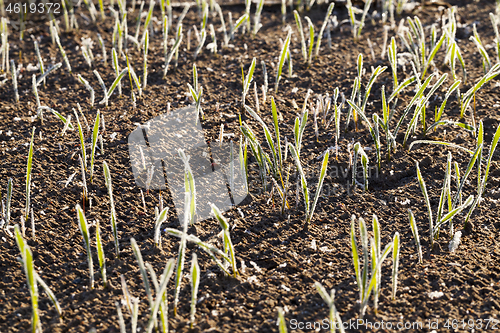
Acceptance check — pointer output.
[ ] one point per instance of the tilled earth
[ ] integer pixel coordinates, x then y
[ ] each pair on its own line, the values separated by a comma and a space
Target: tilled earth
281, 260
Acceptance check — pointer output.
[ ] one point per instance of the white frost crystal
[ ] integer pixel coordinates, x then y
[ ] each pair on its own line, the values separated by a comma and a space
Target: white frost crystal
455, 241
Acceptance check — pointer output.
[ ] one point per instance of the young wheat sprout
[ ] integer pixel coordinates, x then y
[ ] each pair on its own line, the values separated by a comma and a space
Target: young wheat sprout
281, 60
281, 321
28, 176
84, 229
100, 254
182, 250
195, 283
142, 268
63, 53
228, 244
325, 22
107, 179
89, 88
334, 317
247, 80
161, 218
32, 280
95, 133
414, 231
14, 80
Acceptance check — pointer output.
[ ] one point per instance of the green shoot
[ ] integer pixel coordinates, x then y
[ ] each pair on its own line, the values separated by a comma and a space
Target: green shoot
82, 140
162, 217
95, 133
14, 79
100, 254
142, 268
393, 59
84, 229
159, 300
145, 67
190, 186
359, 152
195, 283
244, 18
242, 156
311, 41
395, 264
357, 26
107, 179
28, 176
121, 322
284, 51
365, 283
182, 250
257, 151
223, 25
257, 25
148, 20
247, 80
116, 67
427, 202
226, 237
361, 23
89, 88
39, 59
466, 98
47, 72
298, 22
31, 280
323, 27
334, 317
203, 37
484, 54
281, 321
174, 50
276, 163
66, 121
163, 304
420, 109
63, 53
298, 130
305, 191
208, 248
196, 92
493, 147
414, 231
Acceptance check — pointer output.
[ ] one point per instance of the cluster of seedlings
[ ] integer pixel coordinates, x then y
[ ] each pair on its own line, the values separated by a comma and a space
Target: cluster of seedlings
277, 171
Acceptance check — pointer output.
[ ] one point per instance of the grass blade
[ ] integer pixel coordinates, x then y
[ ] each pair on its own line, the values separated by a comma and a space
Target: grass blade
84, 229
414, 230
282, 58
324, 167
142, 268
95, 134
100, 253
395, 264
107, 178
28, 176
162, 217
195, 283
427, 202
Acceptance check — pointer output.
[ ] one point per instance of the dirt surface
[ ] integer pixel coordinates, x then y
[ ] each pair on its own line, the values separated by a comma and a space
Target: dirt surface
282, 260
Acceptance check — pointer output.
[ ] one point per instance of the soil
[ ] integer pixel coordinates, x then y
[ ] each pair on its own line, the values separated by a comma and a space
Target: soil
282, 261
